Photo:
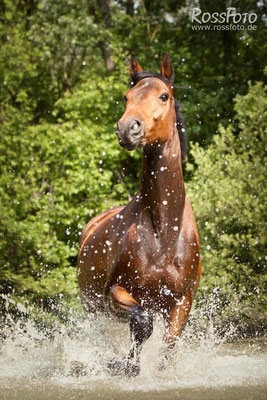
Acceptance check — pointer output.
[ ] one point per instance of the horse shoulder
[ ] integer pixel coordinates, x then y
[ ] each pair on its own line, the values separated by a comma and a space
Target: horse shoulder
96, 223
189, 226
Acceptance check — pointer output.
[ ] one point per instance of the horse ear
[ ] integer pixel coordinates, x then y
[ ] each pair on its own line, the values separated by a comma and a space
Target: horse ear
134, 66
166, 68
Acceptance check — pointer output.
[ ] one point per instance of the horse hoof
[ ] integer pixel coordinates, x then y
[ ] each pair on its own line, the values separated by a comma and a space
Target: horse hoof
77, 369
116, 367
132, 370
123, 367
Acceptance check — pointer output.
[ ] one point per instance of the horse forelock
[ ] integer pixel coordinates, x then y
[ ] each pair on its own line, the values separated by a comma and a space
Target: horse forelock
137, 77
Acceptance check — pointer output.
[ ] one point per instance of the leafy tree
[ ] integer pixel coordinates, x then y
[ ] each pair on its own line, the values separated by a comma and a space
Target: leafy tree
228, 196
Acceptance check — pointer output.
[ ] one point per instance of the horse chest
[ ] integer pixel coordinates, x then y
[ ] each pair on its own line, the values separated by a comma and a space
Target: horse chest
157, 284
152, 277
149, 273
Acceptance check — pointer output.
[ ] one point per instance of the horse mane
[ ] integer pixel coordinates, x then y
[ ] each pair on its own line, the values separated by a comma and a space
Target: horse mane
137, 76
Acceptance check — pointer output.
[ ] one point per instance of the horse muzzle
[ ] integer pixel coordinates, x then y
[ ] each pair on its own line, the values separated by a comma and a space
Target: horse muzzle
130, 133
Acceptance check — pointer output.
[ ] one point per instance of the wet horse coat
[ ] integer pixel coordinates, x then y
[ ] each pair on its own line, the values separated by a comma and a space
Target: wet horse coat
143, 258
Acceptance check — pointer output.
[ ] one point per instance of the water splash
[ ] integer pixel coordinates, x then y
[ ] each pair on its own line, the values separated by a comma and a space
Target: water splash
75, 354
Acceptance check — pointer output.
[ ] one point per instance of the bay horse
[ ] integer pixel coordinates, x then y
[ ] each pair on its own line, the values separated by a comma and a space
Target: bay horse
143, 259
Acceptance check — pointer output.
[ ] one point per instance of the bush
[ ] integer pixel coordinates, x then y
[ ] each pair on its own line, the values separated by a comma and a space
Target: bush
228, 196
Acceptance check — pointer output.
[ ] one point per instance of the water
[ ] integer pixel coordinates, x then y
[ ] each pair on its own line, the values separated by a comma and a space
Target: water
70, 363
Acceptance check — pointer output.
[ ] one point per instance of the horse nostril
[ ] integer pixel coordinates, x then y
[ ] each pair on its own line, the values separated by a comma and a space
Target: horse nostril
135, 127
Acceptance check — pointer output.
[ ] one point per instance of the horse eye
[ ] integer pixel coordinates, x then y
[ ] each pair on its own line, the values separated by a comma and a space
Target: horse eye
164, 97
125, 98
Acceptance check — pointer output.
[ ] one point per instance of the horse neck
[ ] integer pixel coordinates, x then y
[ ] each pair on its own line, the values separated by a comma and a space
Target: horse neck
162, 186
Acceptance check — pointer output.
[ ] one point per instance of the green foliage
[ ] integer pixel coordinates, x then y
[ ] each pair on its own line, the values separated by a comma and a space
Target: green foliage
229, 199
55, 176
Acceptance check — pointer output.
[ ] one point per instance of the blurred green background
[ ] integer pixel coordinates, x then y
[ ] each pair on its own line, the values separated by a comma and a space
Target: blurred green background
63, 73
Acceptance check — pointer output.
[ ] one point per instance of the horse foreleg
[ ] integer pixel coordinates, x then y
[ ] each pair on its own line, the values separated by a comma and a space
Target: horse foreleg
179, 314
177, 319
175, 322
141, 327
